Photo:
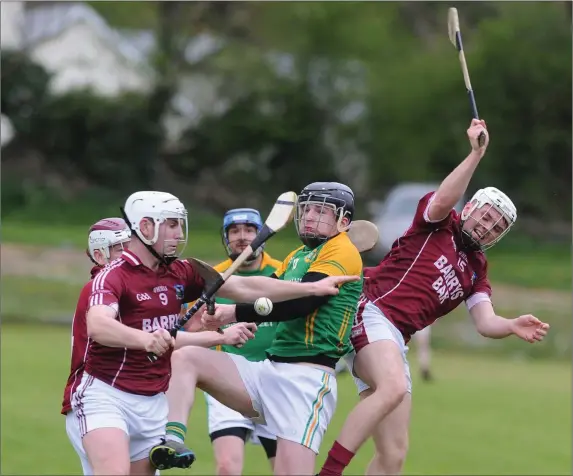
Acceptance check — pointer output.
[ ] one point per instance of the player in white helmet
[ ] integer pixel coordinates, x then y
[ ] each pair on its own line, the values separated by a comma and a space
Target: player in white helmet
435, 266
118, 409
106, 240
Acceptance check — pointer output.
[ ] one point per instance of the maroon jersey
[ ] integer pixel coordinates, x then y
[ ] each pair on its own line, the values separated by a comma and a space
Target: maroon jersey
427, 273
146, 300
79, 343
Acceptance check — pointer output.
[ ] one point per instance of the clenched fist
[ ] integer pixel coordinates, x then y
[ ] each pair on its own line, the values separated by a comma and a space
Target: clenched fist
476, 128
224, 314
159, 342
239, 334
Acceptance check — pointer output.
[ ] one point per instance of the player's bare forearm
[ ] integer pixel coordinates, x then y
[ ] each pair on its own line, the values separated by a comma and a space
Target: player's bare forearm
495, 327
199, 339
453, 187
249, 289
106, 330
488, 323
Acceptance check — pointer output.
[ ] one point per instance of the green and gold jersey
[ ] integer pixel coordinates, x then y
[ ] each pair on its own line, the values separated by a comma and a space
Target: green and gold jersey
326, 331
254, 349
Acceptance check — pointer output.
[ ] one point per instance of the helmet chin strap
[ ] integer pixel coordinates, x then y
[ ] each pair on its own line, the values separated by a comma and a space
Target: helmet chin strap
166, 260
315, 241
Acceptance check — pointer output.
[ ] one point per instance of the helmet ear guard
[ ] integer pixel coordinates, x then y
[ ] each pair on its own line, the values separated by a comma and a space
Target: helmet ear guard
342, 214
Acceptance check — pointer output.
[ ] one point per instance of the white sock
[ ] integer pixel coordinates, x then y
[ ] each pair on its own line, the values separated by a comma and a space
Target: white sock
170, 437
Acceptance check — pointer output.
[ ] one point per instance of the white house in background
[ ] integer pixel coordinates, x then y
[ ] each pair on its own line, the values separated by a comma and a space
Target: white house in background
12, 25
78, 47
11, 33
6, 130
74, 43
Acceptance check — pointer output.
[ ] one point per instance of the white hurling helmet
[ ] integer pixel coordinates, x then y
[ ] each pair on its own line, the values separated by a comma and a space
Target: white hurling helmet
495, 198
106, 233
157, 206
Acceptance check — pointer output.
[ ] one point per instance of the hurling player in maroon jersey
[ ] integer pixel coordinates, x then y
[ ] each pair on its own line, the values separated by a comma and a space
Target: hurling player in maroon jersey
436, 265
106, 241
119, 407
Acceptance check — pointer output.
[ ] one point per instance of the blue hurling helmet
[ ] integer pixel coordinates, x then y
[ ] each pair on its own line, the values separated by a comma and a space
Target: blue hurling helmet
237, 216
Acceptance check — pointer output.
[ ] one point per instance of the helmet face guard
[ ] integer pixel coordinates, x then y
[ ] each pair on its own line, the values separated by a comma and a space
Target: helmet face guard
488, 219
173, 248
320, 211
241, 216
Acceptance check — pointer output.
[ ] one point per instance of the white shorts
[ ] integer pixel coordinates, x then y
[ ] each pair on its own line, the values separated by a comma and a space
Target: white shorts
295, 401
96, 404
221, 417
371, 325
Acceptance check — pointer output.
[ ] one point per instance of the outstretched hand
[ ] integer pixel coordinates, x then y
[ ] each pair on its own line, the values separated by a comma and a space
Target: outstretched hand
330, 286
529, 328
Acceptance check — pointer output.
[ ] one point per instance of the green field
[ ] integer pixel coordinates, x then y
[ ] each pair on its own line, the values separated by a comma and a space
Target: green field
481, 415
494, 410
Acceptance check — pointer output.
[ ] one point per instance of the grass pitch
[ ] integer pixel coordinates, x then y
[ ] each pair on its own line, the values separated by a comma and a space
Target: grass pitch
482, 415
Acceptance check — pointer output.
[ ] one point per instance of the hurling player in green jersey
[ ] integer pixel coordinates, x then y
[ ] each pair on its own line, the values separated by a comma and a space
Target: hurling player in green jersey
293, 391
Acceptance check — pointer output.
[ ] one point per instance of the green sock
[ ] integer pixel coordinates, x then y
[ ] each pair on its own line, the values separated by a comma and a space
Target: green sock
175, 431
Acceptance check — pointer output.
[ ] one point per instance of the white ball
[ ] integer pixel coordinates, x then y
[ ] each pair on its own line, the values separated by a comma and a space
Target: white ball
263, 306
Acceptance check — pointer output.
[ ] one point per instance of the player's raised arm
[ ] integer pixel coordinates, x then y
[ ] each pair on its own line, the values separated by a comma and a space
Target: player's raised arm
455, 185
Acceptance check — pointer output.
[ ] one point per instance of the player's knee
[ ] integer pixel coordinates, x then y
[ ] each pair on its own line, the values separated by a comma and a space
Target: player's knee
399, 386
382, 464
184, 359
393, 389
229, 464
391, 454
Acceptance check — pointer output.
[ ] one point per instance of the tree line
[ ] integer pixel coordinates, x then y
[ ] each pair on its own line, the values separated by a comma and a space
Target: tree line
370, 94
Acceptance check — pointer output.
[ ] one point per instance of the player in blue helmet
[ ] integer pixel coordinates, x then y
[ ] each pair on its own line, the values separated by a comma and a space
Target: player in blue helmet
228, 429
241, 216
